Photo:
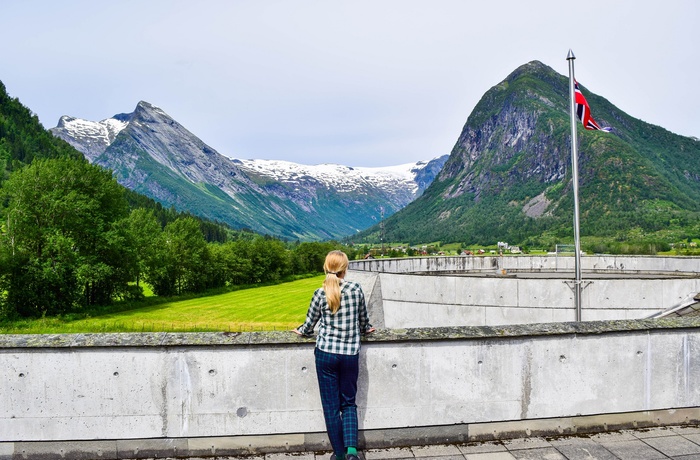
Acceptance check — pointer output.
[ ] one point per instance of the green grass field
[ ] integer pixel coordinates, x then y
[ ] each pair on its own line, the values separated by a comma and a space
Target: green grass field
279, 307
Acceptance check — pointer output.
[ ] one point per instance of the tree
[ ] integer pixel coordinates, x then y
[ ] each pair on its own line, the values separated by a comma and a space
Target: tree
309, 257
181, 262
60, 247
143, 231
239, 266
140, 233
270, 260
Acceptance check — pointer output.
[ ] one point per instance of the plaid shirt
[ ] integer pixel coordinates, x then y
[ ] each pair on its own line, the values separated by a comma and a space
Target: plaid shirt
338, 333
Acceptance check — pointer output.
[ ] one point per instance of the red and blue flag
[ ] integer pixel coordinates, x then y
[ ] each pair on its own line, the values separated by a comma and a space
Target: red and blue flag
583, 111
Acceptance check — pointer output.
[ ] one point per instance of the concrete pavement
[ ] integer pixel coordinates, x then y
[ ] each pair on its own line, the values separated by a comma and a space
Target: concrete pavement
677, 442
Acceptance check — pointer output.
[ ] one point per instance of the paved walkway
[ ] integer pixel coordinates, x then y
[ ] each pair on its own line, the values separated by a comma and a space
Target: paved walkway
678, 443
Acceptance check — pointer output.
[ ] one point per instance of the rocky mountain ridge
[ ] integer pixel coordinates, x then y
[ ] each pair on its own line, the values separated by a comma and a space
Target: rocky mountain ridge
508, 177
153, 154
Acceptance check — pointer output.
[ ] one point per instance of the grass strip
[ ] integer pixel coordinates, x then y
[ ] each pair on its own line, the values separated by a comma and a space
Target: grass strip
279, 307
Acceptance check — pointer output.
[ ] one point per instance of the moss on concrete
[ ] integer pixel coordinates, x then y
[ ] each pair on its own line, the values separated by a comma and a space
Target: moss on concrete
276, 338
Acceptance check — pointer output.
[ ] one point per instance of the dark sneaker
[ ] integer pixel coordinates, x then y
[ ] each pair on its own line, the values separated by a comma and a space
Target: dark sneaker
351, 457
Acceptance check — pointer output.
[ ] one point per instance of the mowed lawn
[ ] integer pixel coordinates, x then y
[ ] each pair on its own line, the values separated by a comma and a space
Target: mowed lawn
266, 308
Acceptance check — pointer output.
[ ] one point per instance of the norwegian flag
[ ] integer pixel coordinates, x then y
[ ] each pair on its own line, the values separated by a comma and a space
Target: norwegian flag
583, 111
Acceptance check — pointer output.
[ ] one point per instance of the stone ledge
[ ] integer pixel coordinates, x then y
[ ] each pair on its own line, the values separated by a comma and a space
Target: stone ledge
286, 338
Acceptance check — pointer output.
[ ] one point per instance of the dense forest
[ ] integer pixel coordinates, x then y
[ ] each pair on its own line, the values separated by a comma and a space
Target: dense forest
71, 237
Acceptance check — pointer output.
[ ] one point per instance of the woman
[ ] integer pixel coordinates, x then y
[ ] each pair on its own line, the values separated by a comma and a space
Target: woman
341, 309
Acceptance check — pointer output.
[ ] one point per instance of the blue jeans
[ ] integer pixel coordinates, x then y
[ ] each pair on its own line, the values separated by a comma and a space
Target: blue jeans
337, 380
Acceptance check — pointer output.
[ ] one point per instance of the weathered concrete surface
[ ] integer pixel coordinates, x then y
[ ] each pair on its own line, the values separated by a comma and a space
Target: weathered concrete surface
538, 263
371, 286
477, 291
95, 387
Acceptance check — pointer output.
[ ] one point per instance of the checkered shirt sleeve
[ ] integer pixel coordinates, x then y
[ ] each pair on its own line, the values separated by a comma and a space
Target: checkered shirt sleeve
340, 332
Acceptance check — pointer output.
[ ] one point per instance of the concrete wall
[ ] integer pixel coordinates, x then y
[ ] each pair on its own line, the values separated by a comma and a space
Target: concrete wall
482, 291
547, 263
258, 391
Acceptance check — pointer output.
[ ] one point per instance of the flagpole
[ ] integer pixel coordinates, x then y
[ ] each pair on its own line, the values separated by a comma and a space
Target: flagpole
574, 173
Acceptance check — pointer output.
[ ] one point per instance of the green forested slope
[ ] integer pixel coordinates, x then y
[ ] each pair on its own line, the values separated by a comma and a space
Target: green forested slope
508, 177
22, 138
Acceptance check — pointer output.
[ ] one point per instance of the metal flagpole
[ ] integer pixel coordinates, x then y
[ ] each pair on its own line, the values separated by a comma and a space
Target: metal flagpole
574, 173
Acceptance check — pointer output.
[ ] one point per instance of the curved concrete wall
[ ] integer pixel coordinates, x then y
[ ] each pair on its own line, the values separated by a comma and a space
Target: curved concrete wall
479, 291
525, 263
209, 394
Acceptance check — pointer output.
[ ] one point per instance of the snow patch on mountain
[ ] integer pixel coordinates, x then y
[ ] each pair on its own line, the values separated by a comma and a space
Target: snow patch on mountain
338, 177
104, 131
90, 137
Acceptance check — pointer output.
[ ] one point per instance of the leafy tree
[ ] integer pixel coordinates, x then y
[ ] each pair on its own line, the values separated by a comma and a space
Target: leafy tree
270, 260
181, 262
238, 262
60, 246
143, 233
309, 257
219, 259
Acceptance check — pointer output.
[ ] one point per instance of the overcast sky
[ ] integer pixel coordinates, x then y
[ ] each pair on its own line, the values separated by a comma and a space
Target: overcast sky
360, 83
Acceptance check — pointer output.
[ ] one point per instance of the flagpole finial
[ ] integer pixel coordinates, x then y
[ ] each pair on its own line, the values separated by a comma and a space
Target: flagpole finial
570, 55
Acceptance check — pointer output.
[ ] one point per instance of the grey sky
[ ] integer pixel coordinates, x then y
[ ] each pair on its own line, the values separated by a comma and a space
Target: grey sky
361, 83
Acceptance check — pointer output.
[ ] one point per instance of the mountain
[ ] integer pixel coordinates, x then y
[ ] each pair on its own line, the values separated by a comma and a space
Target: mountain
153, 154
508, 177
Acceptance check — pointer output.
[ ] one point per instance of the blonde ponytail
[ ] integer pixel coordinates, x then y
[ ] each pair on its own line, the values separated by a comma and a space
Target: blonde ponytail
336, 265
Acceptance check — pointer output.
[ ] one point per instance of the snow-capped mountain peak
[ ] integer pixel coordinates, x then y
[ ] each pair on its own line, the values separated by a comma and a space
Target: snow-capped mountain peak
90, 137
153, 154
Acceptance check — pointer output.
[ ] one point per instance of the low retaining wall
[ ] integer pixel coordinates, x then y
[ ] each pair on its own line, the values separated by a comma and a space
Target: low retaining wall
486, 291
157, 395
527, 263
